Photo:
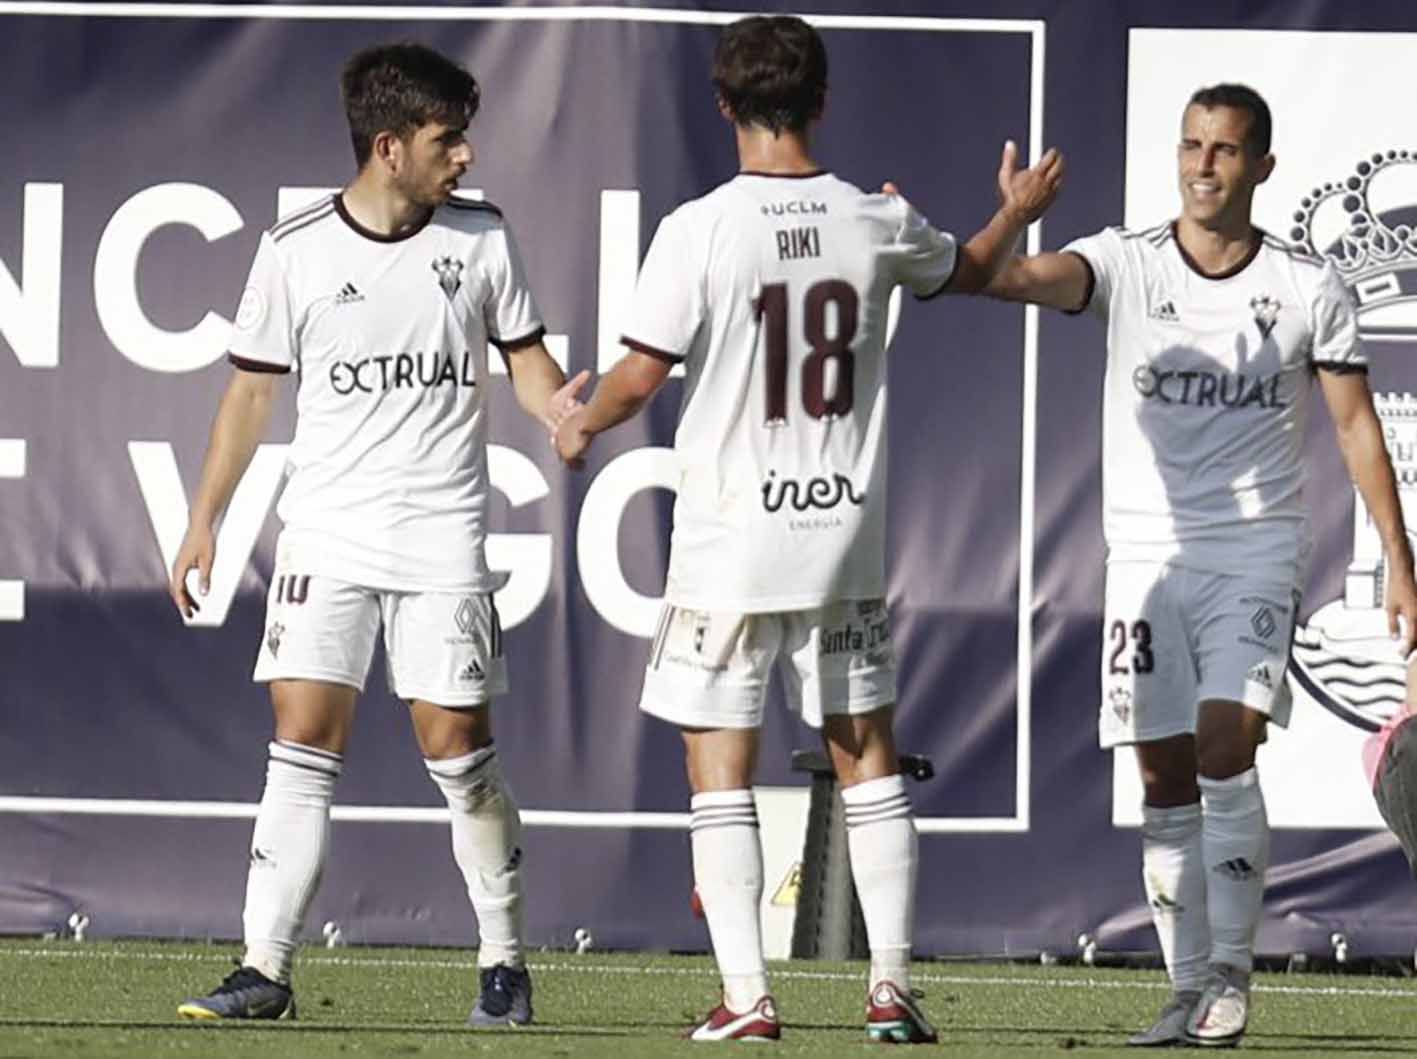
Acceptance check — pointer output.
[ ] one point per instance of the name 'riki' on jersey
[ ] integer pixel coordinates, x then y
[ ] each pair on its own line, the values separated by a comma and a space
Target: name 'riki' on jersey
773, 291
388, 478
1207, 394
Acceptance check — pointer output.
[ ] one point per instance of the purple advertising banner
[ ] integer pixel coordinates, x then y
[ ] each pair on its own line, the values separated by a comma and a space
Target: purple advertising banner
156, 142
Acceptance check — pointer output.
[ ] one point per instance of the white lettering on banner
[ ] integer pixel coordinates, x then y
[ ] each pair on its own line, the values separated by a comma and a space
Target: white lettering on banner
12, 465
619, 269
526, 556
29, 314
598, 536
166, 501
115, 276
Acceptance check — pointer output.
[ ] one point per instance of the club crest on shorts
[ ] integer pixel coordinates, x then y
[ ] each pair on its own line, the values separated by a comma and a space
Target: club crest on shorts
449, 270
273, 638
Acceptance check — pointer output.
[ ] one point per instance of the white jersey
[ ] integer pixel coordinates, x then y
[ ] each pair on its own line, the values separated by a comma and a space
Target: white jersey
388, 468
773, 291
1206, 398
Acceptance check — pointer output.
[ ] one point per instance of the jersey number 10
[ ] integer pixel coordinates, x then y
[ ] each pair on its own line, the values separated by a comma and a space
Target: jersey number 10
771, 308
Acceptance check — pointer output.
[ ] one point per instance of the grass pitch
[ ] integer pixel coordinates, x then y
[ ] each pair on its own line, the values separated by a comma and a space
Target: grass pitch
120, 998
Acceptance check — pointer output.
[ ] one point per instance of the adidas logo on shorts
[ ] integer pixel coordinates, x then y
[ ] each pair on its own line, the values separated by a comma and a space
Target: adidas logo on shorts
472, 671
1260, 675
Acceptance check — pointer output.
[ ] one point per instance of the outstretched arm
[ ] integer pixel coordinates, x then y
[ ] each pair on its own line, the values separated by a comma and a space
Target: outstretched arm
618, 396
541, 388
1025, 195
1059, 281
1360, 439
241, 422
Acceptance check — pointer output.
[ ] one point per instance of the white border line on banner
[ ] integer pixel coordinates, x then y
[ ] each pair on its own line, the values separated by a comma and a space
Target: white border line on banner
1033, 28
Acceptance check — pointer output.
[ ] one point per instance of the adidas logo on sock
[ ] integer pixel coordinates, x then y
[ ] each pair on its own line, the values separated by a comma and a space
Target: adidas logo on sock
347, 294
1237, 868
1165, 312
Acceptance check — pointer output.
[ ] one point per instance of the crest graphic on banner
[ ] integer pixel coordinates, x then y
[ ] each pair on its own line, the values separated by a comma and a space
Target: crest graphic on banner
1343, 656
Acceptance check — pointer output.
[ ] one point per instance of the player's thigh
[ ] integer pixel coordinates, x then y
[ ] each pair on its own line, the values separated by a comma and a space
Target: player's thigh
317, 629
1148, 666
444, 648
1243, 630
861, 745
313, 713
840, 659
446, 732
709, 669
720, 759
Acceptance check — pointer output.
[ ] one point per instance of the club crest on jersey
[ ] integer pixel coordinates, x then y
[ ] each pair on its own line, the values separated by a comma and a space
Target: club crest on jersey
449, 270
1266, 310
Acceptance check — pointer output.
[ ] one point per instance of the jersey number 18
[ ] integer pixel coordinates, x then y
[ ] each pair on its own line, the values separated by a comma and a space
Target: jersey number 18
771, 308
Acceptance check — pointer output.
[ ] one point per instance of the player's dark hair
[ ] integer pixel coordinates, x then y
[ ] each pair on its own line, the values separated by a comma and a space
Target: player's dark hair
771, 71
400, 87
1240, 97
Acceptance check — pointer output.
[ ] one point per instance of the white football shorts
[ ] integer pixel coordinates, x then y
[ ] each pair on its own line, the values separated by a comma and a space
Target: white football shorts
1173, 638
444, 648
710, 669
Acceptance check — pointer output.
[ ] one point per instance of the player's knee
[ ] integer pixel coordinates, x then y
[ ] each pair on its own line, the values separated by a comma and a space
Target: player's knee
472, 783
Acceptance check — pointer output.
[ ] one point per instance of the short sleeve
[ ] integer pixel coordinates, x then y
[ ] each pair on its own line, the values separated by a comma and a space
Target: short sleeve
923, 258
263, 337
1336, 345
1104, 256
668, 306
511, 315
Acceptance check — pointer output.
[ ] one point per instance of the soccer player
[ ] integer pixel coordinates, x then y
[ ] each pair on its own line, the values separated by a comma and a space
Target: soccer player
384, 297
1215, 331
772, 291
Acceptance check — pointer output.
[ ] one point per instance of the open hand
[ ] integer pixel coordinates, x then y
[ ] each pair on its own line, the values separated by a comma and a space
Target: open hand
1029, 192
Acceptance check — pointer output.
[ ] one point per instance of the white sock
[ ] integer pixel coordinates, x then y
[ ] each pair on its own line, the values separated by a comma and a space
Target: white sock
1236, 837
288, 847
885, 854
487, 831
728, 874
1173, 871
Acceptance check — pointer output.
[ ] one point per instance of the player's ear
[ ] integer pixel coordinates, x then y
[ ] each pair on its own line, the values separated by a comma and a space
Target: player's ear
726, 110
1266, 167
387, 150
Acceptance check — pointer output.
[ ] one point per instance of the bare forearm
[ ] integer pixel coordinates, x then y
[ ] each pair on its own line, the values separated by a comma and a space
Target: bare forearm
1367, 460
1059, 281
617, 398
986, 252
535, 380
240, 424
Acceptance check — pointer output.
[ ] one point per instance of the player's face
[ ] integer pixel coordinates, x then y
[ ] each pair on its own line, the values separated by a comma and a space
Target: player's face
437, 156
1218, 170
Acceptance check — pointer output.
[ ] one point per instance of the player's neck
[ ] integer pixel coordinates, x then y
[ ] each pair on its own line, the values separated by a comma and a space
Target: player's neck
783, 154
380, 208
1218, 249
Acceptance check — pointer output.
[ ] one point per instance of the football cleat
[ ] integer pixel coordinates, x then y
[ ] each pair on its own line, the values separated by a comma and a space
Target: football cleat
1170, 1026
505, 999
893, 1017
1223, 1011
243, 994
758, 1023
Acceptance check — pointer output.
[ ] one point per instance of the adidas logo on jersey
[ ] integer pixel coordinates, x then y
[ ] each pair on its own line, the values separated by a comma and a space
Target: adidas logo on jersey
347, 294
1165, 312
